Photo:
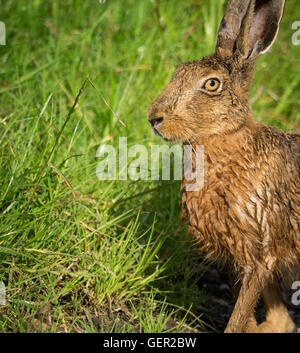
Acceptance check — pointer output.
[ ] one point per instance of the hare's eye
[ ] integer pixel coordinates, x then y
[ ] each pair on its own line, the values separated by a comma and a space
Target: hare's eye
212, 84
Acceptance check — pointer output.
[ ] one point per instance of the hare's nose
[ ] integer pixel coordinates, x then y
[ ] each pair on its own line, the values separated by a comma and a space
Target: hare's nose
156, 121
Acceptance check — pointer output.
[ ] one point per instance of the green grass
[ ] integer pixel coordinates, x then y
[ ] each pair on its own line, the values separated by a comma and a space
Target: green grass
76, 253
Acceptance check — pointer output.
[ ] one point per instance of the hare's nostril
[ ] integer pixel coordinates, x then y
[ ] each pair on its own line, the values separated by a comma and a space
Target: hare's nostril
156, 121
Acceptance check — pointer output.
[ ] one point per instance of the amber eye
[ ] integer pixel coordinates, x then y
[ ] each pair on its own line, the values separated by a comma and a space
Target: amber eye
212, 84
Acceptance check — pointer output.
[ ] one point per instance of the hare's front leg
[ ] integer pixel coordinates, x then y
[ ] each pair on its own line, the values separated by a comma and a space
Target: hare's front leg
252, 284
278, 319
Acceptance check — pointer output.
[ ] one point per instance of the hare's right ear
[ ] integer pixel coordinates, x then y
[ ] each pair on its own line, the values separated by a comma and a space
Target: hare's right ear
249, 27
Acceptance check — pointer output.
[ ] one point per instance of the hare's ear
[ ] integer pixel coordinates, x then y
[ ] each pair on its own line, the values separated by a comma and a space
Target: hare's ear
255, 26
230, 27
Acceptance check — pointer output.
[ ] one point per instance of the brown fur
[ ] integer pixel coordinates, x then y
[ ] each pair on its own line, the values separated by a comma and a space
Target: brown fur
247, 215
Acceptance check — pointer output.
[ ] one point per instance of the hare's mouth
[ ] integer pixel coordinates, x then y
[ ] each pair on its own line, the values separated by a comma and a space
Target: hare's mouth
155, 123
160, 135
157, 132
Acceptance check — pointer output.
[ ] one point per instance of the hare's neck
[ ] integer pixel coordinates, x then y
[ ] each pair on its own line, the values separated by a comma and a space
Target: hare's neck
238, 140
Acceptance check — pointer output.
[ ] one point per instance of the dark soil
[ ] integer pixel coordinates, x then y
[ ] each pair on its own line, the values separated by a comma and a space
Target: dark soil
220, 305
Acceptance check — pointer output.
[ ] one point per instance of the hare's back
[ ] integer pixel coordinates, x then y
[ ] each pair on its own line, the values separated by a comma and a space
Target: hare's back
295, 147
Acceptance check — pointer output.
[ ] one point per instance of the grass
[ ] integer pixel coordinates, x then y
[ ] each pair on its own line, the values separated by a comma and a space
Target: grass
82, 255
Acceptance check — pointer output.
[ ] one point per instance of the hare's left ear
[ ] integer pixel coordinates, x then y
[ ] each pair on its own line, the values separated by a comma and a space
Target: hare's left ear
259, 28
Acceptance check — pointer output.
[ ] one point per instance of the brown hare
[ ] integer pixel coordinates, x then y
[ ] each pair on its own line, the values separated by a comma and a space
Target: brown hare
247, 215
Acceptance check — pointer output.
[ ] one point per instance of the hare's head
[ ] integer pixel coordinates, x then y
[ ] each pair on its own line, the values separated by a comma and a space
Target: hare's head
210, 96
